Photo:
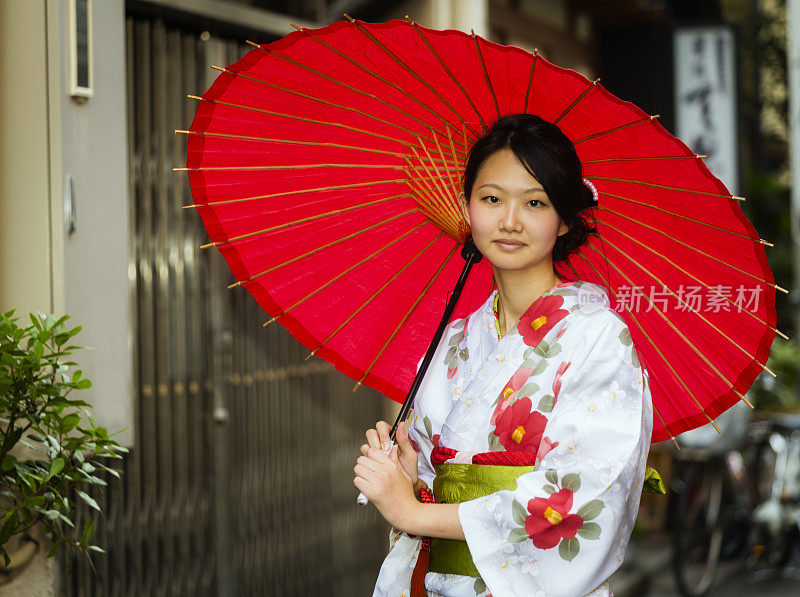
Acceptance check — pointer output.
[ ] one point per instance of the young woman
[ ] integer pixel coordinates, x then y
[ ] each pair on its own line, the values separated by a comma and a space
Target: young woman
532, 425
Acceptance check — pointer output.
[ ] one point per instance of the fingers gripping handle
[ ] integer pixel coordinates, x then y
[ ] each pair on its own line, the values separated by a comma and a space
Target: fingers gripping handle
362, 500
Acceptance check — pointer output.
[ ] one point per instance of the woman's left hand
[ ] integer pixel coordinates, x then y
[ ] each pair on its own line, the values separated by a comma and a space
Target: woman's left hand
382, 479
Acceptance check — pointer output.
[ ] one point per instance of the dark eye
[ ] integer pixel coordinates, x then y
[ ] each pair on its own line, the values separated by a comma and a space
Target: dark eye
535, 203
491, 199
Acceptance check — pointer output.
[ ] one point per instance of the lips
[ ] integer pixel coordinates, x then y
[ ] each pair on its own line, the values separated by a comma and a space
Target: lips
508, 243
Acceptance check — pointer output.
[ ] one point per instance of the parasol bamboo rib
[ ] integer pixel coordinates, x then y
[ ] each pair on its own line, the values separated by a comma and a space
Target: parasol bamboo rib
663, 186
451, 204
318, 100
290, 142
374, 294
616, 129
300, 118
608, 285
434, 197
297, 192
444, 162
323, 247
407, 315
676, 215
361, 91
696, 250
606, 240
443, 218
288, 167
453, 151
663, 358
576, 100
530, 80
686, 340
641, 159
302, 221
407, 68
774, 329
486, 74
417, 30
376, 75
345, 272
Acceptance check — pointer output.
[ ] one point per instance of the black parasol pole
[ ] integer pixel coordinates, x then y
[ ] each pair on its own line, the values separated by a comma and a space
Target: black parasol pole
472, 256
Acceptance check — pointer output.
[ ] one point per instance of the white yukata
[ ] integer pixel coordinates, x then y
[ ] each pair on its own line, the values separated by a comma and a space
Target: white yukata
566, 387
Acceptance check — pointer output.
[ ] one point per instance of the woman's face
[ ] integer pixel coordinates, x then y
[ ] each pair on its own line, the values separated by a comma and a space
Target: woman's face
514, 224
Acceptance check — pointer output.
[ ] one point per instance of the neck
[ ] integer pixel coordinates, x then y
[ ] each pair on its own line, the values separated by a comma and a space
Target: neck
518, 290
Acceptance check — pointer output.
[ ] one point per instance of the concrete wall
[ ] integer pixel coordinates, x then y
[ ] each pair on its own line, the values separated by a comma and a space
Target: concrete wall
95, 256
26, 281
46, 136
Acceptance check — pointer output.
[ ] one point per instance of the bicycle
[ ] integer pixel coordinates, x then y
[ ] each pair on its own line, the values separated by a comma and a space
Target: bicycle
736, 497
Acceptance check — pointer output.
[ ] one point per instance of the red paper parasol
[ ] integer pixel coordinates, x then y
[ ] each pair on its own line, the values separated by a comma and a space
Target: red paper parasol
326, 167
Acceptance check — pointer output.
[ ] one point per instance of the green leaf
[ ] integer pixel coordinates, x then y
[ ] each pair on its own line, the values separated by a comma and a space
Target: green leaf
529, 389
541, 349
53, 549
83, 384
96, 548
86, 498
552, 476
88, 529
546, 404
568, 549
539, 368
572, 481
479, 586
589, 530
518, 535
38, 350
427, 422
67, 520
9, 526
52, 514
591, 510
519, 513
549, 489
625, 337
56, 467
8, 462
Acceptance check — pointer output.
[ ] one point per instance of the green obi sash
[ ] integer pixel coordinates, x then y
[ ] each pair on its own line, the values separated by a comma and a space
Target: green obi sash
456, 483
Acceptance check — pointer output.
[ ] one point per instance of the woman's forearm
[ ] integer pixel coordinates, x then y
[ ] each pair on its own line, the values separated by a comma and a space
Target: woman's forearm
433, 520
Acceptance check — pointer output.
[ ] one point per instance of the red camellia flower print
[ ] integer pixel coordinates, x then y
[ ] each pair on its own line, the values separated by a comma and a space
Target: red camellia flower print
550, 521
510, 391
519, 429
557, 379
545, 447
540, 319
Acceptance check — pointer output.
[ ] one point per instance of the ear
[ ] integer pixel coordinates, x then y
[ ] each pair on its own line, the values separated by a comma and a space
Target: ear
464, 207
563, 229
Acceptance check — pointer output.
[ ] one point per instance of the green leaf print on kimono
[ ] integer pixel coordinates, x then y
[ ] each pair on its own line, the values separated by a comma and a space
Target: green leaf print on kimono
548, 522
456, 355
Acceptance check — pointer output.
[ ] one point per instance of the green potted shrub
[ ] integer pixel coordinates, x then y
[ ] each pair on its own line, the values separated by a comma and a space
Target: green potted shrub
50, 446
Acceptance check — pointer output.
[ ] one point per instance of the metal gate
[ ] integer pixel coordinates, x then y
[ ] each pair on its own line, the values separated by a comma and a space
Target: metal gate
240, 480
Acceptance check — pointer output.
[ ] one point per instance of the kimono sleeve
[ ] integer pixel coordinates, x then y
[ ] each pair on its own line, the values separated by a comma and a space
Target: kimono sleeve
564, 529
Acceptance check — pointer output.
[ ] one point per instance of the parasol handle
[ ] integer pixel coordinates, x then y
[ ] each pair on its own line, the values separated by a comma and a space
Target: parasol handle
472, 256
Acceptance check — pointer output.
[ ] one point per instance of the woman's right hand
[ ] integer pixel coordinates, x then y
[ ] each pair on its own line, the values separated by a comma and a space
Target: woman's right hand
379, 438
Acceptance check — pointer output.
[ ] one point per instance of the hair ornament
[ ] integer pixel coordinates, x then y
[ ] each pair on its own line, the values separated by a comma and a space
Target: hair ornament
592, 188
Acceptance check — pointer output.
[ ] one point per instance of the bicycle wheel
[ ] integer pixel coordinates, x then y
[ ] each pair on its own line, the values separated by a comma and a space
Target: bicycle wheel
697, 532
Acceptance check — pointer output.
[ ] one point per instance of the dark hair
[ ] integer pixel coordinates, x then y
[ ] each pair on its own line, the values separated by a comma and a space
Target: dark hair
550, 157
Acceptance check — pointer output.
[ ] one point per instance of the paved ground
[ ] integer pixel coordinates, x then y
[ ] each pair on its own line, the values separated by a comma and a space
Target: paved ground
647, 572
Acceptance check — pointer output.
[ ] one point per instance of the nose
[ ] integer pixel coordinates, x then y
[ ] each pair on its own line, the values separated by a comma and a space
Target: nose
510, 221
